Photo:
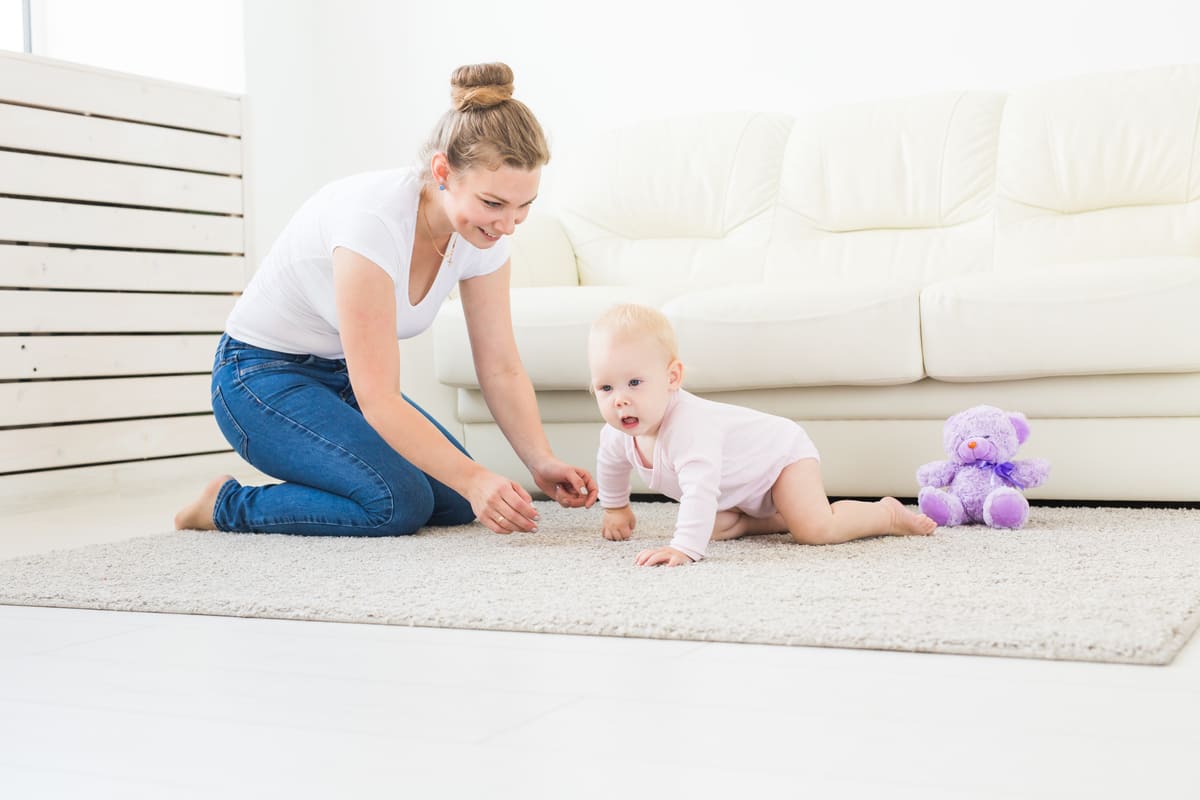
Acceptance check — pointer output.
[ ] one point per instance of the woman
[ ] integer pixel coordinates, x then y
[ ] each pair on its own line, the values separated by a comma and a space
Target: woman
306, 383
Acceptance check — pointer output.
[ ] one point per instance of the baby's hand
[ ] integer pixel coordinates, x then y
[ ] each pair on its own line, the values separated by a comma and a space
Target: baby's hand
618, 523
662, 555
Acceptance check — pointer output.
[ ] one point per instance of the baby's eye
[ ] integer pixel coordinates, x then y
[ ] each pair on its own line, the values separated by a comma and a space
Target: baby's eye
635, 382
605, 388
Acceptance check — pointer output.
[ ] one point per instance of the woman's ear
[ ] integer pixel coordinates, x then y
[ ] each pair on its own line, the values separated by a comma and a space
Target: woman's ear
439, 166
675, 375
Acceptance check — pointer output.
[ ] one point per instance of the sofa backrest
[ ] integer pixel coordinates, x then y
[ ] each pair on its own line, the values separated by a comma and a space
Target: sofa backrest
897, 190
1100, 167
919, 189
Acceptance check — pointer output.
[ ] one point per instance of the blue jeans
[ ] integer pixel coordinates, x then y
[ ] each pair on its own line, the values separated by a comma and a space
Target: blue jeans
295, 418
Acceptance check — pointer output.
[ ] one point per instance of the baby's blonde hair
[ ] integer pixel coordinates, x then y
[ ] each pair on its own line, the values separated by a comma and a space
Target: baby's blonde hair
637, 322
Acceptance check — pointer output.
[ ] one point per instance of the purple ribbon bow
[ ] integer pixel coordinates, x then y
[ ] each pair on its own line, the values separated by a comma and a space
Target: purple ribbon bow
1004, 471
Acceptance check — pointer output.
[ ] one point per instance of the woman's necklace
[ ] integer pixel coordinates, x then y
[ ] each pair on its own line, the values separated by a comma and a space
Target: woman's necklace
433, 240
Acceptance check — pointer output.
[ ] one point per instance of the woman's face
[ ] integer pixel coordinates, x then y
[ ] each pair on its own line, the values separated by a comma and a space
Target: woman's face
484, 204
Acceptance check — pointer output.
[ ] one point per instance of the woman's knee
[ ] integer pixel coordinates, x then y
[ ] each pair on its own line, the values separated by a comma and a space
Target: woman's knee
453, 511
398, 507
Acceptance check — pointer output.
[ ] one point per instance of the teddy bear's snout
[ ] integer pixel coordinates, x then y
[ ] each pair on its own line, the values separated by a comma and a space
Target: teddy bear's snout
972, 450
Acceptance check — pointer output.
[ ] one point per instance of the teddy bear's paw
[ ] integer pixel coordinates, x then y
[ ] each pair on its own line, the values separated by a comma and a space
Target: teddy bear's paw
941, 507
1005, 508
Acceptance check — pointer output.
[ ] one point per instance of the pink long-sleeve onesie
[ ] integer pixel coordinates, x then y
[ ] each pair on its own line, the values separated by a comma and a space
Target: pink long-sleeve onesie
710, 457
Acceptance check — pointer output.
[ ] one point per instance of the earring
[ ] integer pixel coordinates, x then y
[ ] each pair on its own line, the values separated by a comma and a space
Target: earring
441, 187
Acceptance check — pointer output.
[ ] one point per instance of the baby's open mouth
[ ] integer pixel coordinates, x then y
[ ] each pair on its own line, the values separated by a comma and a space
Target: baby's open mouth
629, 422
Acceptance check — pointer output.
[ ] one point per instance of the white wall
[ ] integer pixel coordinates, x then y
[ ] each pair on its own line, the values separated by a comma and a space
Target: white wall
12, 26
198, 42
357, 84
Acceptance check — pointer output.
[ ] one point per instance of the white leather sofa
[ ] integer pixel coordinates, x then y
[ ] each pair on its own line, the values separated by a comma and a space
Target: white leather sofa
871, 269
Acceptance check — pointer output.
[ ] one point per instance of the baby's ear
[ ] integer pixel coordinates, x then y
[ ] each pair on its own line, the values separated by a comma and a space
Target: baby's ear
1020, 424
675, 374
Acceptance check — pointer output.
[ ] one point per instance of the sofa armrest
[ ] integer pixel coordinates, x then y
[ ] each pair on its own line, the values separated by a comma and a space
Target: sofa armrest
542, 254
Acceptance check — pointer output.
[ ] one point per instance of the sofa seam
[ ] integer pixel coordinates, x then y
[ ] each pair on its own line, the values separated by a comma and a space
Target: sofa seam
776, 203
1187, 189
737, 150
942, 164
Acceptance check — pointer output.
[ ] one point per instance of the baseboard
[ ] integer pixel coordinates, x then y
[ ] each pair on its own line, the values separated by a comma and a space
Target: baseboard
33, 490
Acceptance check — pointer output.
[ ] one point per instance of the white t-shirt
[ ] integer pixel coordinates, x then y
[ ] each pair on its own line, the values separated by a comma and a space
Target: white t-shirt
710, 457
289, 304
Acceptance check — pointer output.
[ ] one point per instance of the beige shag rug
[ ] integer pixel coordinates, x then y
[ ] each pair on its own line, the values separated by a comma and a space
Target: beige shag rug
1090, 584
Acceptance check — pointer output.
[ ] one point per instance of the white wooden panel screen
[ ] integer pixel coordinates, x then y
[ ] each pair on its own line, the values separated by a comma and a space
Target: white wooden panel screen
121, 252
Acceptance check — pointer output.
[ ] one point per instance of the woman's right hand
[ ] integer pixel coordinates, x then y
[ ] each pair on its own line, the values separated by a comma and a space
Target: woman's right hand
500, 504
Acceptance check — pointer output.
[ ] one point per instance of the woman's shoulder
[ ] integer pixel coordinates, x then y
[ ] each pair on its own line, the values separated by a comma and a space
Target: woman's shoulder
377, 190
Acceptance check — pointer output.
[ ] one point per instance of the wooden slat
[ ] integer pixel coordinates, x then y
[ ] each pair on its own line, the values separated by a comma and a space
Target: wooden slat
44, 131
42, 402
91, 443
73, 87
33, 267
88, 356
55, 178
45, 222
111, 312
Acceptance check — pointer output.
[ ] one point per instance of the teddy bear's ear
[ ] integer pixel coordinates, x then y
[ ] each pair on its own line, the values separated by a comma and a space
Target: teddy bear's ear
1020, 424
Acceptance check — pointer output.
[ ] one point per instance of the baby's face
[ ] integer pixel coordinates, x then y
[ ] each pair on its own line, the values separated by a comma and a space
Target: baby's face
632, 381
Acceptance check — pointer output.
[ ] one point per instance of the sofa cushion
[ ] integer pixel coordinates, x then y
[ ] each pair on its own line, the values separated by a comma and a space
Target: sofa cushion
1099, 167
816, 333
551, 328
899, 189
736, 337
1108, 317
679, 201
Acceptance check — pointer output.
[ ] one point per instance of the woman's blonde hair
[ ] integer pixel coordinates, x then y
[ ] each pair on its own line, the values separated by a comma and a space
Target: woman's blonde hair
486, 126
638, 322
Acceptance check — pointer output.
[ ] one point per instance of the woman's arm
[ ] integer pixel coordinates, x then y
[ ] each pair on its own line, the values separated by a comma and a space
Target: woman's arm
366, 307
508, 391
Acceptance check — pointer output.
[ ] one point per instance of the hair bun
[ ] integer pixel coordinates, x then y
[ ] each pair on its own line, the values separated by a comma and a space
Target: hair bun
475, 87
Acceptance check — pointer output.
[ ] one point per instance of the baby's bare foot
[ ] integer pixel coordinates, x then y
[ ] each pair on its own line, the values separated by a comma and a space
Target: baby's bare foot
905, 522
198, 515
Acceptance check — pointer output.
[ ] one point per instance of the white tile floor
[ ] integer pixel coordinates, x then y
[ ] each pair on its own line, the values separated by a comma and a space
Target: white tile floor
121, 705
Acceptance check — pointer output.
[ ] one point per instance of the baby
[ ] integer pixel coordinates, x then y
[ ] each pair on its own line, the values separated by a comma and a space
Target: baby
734, 471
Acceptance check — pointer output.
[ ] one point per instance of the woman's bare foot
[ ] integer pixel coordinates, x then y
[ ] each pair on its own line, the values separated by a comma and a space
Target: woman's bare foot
198, 515
733, 524
905, 522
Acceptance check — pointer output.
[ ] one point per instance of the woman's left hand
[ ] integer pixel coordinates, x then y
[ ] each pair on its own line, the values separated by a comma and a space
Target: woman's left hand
568, 486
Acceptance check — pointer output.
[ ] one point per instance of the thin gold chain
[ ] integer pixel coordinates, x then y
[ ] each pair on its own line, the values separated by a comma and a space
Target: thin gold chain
432, 240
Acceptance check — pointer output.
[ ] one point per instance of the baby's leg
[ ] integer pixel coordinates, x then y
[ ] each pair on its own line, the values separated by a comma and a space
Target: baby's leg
799, 494
733, 524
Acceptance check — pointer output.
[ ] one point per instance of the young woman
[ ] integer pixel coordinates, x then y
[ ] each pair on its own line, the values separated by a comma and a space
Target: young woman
307, 379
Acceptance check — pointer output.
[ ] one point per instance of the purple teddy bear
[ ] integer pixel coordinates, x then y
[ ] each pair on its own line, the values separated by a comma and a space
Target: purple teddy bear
980, 482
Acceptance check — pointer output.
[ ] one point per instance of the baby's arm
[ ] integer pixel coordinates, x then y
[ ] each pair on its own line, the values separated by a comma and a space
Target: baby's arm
612, 478
936, 473
700, 484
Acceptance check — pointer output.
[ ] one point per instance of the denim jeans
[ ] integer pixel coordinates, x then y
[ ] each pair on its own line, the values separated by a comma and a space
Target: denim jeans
295, 418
